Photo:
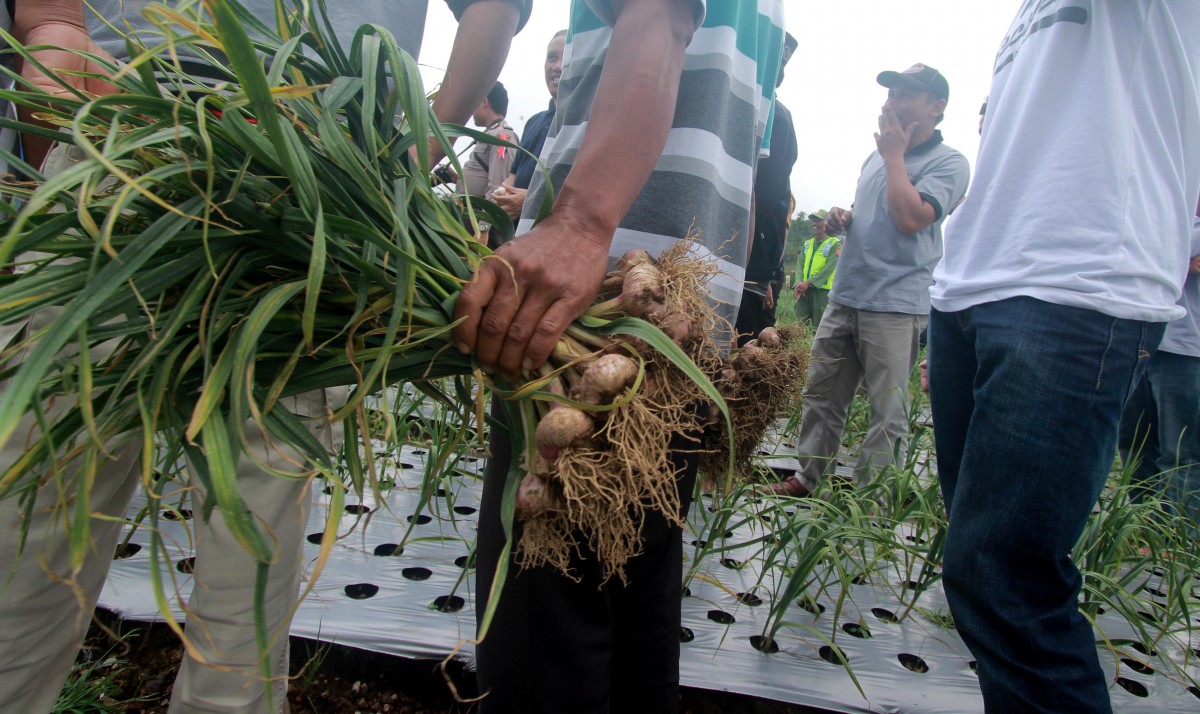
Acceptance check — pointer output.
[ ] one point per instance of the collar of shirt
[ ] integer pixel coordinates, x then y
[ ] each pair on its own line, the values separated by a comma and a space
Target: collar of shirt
925, 145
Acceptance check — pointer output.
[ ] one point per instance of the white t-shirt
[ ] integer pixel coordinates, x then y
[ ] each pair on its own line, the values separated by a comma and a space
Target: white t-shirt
1089, 166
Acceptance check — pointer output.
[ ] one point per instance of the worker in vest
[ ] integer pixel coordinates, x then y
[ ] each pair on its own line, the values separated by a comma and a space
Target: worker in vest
814, 272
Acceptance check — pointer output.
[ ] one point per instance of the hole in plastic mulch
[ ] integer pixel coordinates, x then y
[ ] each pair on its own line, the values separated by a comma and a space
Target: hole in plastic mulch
856, 630
187, 565
1147, 617
420, 519
974, 666
749, 599
361, 591
357, 509
811, 606
1137, 689
686, 635
182, 514
1136, 666
832, 655
1155, 591
913, 663
465, 561
885, 615
126, 550
687, 592
418, 452
328, 490
465, 510
1195, 691
721, 617
314, 538
447, 603
387, 549
766, 645
417, 574
731, 563
700, 543
1148, 651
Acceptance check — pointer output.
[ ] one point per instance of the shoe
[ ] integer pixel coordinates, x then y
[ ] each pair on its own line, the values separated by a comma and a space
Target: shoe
789, 486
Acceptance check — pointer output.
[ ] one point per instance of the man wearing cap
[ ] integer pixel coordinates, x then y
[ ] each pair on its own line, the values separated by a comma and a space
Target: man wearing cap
880, 299
488, 165
815, 272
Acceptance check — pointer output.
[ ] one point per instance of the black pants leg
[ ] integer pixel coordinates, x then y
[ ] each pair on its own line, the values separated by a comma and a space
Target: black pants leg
557, 645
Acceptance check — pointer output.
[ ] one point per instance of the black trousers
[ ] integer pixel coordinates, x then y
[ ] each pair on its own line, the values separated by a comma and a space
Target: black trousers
557, 645
753, 317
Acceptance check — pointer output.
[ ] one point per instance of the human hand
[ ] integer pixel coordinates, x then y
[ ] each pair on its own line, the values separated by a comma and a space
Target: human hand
769, 298
892, 139
526, 294
801, 288
511, 201
1194, 264
64, 37
838, 220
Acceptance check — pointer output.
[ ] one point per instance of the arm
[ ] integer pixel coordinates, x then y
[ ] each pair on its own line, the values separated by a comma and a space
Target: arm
909, 211
60, 24
520, 303
485, 32
830, 266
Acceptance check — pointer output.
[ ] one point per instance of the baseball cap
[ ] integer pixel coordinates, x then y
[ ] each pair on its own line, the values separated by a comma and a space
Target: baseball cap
918, 77
815, 217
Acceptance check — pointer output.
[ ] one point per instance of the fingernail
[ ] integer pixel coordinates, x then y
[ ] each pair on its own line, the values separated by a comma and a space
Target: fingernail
462, 347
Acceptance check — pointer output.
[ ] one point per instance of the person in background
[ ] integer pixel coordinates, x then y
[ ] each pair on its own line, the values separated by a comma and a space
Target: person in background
880, 299
46, 601
488, 165
772, 205
815, 271
630, 170
1058, 279
512, 198
1159, 434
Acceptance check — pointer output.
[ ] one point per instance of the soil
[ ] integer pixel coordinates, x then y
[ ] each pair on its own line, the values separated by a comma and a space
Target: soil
142, 659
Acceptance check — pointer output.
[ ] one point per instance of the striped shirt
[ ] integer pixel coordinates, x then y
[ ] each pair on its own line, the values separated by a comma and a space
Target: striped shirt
704, 178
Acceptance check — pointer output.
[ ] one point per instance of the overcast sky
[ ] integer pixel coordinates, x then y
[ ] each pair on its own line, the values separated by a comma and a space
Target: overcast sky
830, 85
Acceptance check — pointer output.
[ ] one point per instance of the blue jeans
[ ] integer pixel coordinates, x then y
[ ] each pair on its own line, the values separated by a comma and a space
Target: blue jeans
1160, 431
1026, 397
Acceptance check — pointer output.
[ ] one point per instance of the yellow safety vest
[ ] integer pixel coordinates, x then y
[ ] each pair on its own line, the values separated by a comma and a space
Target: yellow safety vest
815, 257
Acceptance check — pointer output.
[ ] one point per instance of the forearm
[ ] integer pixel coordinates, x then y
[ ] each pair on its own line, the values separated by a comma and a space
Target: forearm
822, 277
481, 45
59, 24
909, 211
631, 113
